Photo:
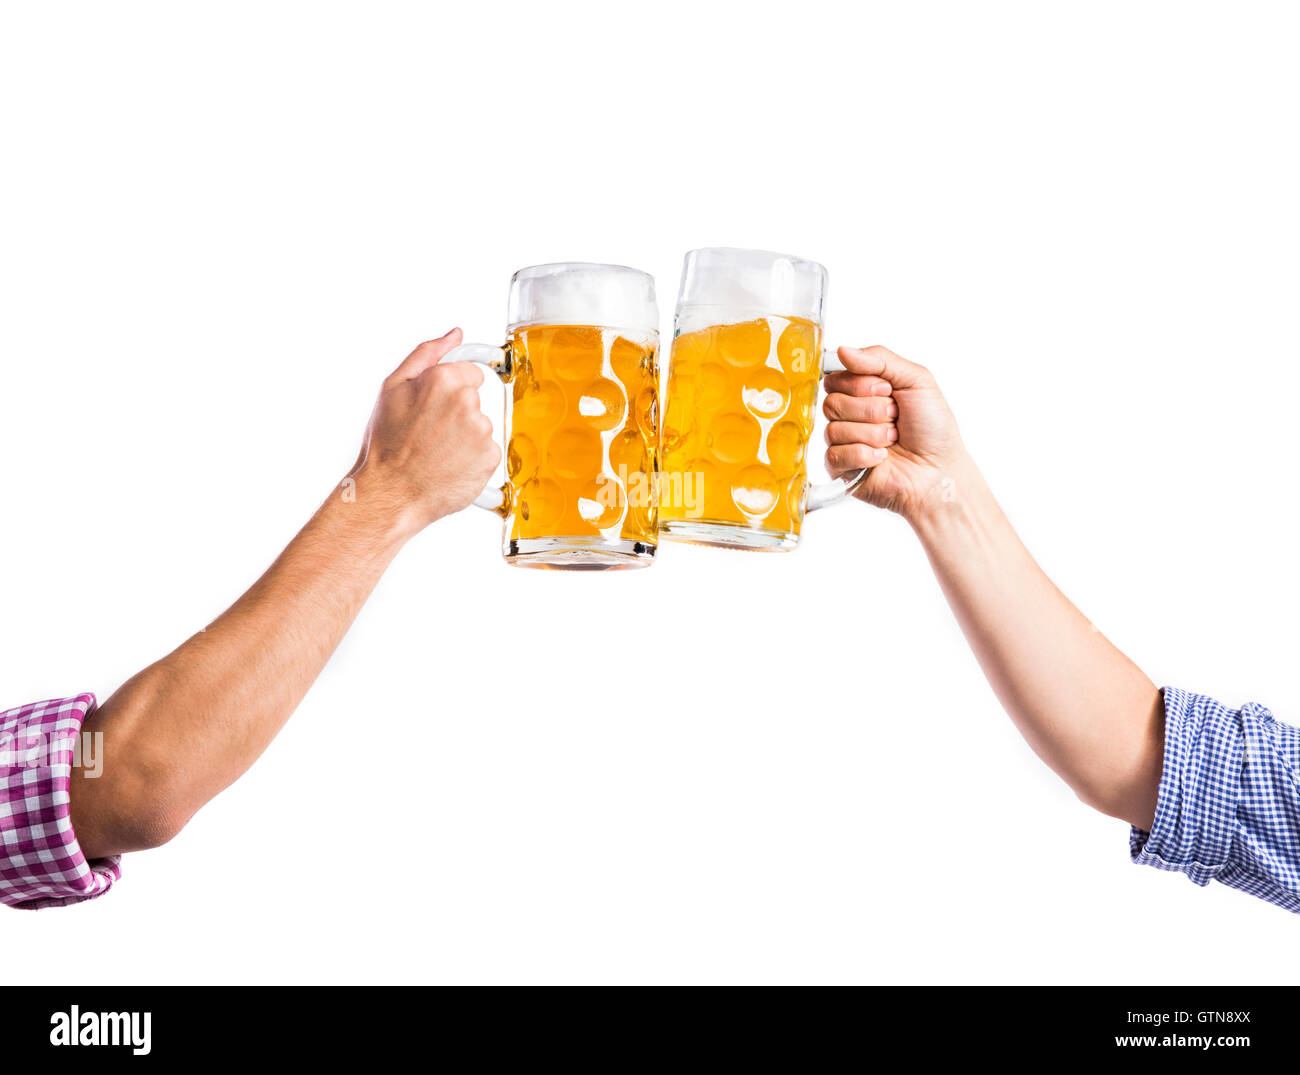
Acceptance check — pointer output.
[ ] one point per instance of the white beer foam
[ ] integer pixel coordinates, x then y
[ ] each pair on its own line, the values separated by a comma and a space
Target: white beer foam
612, 296
726, 284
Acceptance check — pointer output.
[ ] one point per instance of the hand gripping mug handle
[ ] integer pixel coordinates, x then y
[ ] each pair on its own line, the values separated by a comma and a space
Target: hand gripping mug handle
824, 494
495, 498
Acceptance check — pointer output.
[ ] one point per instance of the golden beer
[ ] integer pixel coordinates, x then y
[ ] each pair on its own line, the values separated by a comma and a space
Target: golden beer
580, 366
581, 436
739, 411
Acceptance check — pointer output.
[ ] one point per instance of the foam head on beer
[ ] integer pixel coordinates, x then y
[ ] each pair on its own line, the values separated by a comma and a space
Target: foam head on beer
721, 285
611, 296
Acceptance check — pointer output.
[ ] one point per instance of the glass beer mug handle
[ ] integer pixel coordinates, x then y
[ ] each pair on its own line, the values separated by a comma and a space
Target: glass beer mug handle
497, 359
824, 494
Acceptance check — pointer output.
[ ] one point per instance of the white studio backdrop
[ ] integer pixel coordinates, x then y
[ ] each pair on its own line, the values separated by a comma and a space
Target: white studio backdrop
221, 227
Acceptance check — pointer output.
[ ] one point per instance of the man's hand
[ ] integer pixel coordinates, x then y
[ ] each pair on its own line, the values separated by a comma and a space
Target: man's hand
428, 450
888, 414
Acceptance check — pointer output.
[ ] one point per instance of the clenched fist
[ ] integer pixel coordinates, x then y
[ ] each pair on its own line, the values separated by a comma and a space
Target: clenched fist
888, 414
428, 450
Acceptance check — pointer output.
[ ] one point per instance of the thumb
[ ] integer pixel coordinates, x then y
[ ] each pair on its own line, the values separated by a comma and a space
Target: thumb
429, 353
882, 362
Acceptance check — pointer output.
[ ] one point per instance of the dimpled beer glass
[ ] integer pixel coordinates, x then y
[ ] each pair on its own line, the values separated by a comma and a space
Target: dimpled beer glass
581, 417
741, 401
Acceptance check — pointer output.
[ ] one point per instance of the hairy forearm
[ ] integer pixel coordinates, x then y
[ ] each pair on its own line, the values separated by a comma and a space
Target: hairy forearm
189, 725
1084, 708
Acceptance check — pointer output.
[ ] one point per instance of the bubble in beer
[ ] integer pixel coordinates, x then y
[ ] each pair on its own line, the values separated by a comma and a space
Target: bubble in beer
539, 405
795, 494
756, 491
797, 348
541, 502
521, 458
785, 446
575, 452
629, 449
746, 344
765, 392
602, 404
803, 404
733, 437
629, 360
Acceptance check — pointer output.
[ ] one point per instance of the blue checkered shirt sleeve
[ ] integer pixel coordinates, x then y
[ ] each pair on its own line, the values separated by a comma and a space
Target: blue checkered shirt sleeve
1229, 800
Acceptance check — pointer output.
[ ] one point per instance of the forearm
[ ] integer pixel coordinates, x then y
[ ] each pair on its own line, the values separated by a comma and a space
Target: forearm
1084, 708
186, 727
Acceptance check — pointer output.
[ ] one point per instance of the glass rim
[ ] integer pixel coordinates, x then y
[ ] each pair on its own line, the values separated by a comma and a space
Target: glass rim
551, 268
756, 254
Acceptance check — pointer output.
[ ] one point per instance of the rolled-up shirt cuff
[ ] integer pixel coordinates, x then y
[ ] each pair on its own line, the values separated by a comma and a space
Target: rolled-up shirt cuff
41, 864
1196, 809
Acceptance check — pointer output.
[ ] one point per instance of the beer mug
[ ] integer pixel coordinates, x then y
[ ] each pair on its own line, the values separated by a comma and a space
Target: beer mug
741, 401
580, 364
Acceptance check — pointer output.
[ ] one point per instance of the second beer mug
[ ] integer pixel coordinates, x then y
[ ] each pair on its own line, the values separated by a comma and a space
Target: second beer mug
581, 417
741, 401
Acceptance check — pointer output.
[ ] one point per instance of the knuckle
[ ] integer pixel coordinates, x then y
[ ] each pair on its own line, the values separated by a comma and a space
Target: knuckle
458, 375
436, 376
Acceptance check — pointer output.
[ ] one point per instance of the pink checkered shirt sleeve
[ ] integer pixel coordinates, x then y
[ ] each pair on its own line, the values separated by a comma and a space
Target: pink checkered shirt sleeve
41, 864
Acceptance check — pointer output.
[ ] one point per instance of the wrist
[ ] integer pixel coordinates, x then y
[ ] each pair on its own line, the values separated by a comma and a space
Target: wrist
366, 508
959, 496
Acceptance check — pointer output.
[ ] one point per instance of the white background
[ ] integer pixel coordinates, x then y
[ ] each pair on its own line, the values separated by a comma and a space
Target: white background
222, 228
